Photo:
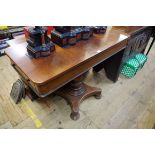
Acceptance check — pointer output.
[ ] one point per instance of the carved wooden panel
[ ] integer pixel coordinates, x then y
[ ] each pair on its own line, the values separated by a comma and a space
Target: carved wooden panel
137, 42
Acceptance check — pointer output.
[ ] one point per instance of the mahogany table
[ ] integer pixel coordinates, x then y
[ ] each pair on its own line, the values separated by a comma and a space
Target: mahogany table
63, 71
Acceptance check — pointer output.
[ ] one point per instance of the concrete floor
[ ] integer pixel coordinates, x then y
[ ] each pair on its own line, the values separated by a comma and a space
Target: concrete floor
129, 103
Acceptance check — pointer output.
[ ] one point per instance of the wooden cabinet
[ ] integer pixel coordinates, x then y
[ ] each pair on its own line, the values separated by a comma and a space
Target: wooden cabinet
137, 42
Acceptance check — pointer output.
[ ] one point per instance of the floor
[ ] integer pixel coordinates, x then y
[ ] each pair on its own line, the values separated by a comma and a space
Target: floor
129, 103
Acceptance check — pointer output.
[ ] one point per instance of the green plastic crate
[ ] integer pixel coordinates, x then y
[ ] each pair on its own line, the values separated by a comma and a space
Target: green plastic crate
128, 71
130, 68
141, 59
133, 63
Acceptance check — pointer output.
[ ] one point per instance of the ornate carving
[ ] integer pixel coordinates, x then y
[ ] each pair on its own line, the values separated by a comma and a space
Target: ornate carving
138, 42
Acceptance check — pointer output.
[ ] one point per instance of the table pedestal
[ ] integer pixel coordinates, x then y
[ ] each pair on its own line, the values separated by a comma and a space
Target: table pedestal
75, 92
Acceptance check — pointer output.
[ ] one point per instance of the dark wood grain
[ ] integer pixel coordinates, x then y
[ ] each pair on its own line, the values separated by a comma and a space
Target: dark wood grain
45, 75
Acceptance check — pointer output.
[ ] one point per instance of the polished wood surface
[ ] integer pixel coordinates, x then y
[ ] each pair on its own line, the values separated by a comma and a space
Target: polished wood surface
17, 40
65, 64
43, 69
129, 30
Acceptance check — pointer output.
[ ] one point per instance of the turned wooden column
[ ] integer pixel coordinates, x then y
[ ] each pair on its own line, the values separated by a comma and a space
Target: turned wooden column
75, 92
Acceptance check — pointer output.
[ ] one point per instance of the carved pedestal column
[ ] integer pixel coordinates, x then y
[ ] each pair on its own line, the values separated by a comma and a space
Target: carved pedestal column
75, 92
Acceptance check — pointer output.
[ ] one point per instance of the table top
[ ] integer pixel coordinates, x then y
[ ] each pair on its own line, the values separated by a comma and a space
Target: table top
129, 30
17, 40
61, 60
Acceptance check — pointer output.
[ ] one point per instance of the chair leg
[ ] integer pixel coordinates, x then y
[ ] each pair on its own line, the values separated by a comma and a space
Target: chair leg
150, 46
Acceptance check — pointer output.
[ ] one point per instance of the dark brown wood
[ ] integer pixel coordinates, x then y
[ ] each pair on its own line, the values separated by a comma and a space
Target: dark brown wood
111, 66
75, 92
137, 42
45, 75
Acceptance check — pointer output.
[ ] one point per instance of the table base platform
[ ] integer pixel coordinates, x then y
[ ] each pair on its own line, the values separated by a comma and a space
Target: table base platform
75, 92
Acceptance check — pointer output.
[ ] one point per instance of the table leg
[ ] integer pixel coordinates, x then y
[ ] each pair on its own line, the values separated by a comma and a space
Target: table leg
75, 92
150, 46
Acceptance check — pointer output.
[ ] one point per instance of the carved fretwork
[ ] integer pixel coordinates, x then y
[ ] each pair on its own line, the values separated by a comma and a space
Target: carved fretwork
137, 43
